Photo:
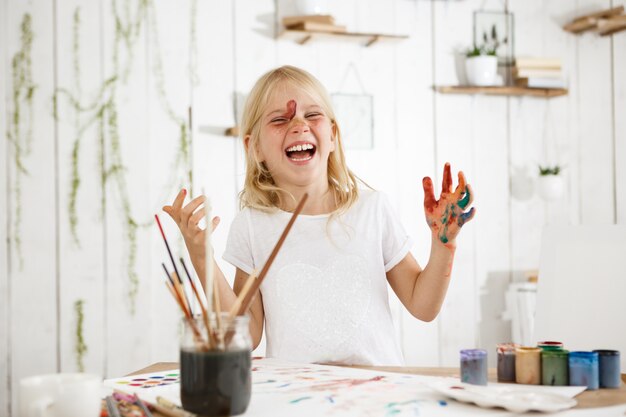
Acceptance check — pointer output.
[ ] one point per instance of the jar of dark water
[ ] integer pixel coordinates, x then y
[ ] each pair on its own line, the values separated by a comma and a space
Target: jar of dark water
216, 377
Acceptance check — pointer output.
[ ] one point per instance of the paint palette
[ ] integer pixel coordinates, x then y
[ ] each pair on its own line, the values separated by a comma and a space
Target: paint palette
510, 397
148, 380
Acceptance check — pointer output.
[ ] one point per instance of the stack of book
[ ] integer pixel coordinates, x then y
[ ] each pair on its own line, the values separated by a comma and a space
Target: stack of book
314, 23
539, 73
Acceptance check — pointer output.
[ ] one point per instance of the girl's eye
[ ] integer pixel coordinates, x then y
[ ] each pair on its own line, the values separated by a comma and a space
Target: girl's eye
279, 120
313, 115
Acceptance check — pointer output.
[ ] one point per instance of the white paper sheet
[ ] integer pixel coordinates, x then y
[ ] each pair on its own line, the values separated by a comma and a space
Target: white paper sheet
289, 389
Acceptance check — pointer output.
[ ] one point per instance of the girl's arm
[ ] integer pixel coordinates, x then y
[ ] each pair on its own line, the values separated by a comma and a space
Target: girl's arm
256, 312
422, 291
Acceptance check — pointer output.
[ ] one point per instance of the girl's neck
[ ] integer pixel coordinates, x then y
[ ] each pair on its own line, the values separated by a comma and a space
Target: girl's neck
320, 200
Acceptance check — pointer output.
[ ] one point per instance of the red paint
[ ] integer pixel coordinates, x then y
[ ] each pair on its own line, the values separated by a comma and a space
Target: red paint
446, 185
291, 109
343, 383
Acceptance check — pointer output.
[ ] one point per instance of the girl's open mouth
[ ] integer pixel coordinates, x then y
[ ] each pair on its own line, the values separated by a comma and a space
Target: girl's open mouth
301, 152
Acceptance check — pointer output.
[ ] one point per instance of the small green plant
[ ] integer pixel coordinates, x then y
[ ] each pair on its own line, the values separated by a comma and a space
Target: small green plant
547, 170
490, 44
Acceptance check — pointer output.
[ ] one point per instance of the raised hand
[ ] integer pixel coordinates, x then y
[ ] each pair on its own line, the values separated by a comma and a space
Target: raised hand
446, 216
187, 219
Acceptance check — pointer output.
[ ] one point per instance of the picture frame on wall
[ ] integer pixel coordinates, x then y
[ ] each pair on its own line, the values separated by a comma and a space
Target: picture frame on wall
496, 29
355, 113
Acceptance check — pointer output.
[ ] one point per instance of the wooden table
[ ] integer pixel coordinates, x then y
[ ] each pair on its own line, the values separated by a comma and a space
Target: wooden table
586, 399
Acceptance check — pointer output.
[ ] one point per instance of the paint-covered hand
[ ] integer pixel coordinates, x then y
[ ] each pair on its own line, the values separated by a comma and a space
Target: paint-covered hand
187, 218
447, 215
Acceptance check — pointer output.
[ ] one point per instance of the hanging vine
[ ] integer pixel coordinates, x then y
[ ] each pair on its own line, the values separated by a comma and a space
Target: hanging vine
75, 178
80, 347
103, 113
20, 127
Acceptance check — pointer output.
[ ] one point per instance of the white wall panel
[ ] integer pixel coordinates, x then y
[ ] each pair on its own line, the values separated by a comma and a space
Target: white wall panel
126, 343
619, 119
170, 72
596, 182
33, 283
79, 69
5, 299
415, 144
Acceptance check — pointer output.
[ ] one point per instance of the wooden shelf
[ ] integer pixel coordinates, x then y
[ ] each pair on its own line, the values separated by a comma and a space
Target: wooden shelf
503, 91
367, 39
232, 131
605, 22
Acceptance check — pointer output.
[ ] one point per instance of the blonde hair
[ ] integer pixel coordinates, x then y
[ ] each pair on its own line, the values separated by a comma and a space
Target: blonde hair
260, 191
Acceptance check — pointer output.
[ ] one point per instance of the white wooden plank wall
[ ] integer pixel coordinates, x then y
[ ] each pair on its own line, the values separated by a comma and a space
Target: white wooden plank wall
619, 127
5, 298
81, 261
492, 139
32, 291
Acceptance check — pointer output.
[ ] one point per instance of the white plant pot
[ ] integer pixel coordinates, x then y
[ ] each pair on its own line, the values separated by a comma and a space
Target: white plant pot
308, 7
550, 187
481, 70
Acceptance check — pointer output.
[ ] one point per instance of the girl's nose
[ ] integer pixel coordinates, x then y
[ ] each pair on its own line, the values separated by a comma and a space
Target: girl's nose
298, 126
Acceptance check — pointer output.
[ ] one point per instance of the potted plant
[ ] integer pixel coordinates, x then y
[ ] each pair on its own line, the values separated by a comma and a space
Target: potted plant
550, 185
311, 7
481, 62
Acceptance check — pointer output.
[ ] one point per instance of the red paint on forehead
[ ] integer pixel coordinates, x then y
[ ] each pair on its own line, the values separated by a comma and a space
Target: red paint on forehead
291, 109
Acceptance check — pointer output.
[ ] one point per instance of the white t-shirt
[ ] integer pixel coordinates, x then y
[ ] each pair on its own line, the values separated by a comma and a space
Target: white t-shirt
325, 295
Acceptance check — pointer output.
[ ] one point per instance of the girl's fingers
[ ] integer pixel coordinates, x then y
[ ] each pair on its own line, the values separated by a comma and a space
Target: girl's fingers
446, 184
195, 218
460, 188
214, 223
466, 217
467, 198
178, 201
470, 193
429, 194
188, 210
170, 211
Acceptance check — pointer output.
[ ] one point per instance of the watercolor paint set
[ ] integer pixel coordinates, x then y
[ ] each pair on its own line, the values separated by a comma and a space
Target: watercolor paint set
548, 363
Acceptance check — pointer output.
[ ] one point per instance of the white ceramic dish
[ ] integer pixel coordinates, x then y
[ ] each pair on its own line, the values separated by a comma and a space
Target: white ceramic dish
516, 399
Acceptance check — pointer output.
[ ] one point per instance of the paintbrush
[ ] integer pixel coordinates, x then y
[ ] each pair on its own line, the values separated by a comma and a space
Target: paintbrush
180, 298
167, 411
244, 291
112, 407
205, 316
208, 277
247, 302
218, 315
167, 246
180, 412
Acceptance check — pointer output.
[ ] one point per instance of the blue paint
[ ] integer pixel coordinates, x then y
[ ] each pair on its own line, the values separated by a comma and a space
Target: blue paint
584, 369
284, 385
269, 381
474, 366
297, 400
609, 363
464, 217
330, 399
443, 403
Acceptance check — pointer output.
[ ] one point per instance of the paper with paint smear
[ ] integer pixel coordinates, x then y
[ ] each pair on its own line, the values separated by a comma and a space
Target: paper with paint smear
289, 389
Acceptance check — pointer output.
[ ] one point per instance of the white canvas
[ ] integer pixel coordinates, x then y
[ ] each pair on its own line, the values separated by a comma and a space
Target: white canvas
581, 296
